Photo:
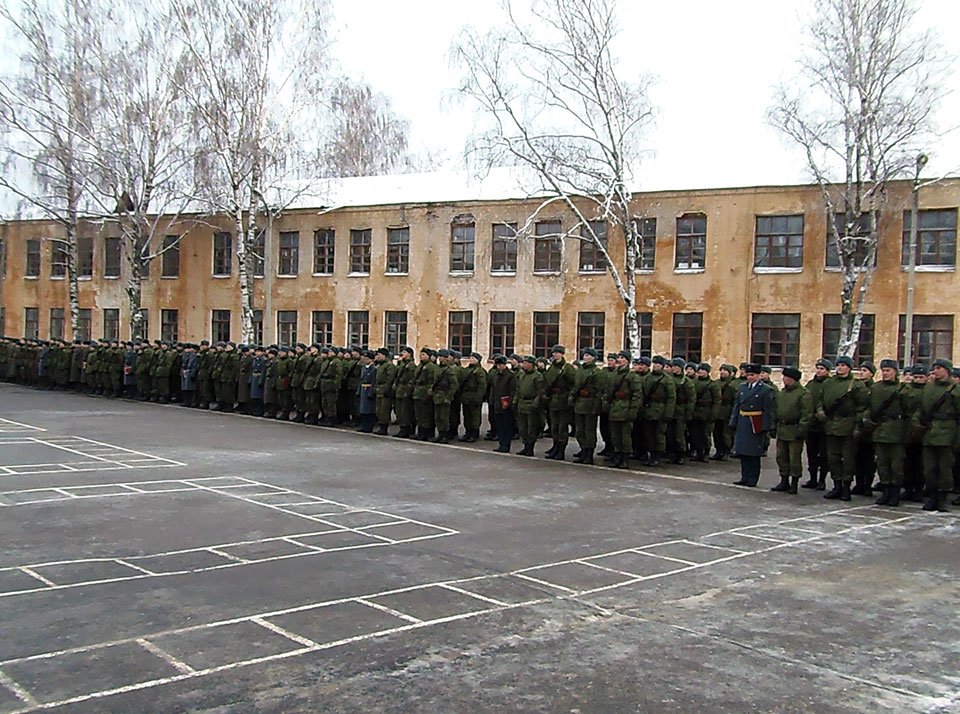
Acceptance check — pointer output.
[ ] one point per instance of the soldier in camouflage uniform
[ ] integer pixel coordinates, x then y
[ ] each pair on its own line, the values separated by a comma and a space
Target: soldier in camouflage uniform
816, 439
659, 405
622, 401
586, 399
937, 419
841, 408
473, 388
442, 392
528, 404
385, 389
794, 414
406, 370
557, 383
886, 422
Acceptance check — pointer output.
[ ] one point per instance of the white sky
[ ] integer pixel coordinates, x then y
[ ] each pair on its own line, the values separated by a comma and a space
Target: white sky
716, 64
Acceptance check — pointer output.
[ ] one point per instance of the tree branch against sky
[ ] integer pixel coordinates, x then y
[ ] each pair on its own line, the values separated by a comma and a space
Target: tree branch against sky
548, 85
862, 108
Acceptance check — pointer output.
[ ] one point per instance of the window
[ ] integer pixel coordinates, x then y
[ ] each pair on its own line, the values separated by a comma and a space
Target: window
504, 253
394, 330
222, 254
547, 247
858, 247
219, 326
323, 252
33, 258
84, 257
831, 338
546, 332
932, 338
111, 257
688, 335
398, 251
691, 251
84, 324
287, 327
31, 323
936, 238
775, 339
462, 246
501, 333
56, 323
170, 325
257, 323
360, 251
647, 230
591, 258
289, 256
645, 322
778, 242
170, 260
58, 258
460, 331
358, 328
590, 329
258, 259
321, 322
111, 323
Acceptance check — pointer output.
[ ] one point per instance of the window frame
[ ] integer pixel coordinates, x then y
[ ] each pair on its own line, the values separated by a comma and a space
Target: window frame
398, 251
463, 248
867, 330
287, 328
548, 245
858, 255
591, 330
220, 320
590, 251
689, 242
31, 319
771, 336
32, 259
84, 324
288, 254
504, 331
361, 338
645, 322
58, 268
171, 248
647, 260
923, 325
58, 319
691, 334
394, 339
111, 320
461, 337
324, 337
324, 251
508, 245
170, 328
921, 265
359, 251
546, 332
112, 257
792, 241
85, 257
222, 266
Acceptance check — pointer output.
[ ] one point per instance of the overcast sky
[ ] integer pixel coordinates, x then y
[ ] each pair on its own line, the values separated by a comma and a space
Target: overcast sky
715, 62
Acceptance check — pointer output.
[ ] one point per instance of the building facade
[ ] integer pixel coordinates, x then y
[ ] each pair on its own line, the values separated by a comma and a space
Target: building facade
727, 275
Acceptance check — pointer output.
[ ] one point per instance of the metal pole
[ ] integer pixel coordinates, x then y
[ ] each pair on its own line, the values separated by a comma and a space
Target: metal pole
912, 264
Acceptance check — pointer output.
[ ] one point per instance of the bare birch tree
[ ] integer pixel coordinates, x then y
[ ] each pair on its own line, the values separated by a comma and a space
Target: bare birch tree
368, 138
550, 87
46, 109
861, 110
142, 148
258, 77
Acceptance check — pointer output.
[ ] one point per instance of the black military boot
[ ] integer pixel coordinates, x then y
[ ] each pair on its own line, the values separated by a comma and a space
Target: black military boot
845, 491
885, 496
527, 449
587, 457
811, 482
834, 493
654, 459
822, 483
441, 438
561, 453
310, 419
299, 418
382, 430
551, 451
624, 461
794, 485
613, 460
783, 486
894, 500
956, 501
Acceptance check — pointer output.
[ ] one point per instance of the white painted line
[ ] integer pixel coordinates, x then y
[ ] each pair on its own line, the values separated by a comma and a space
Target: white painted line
62, 447
31, 427
131, 451
715, 547
174, 662
37, 576
127, 564
538, 581
743, 534
483, 598
18, 691
215, 551
292, 636
388, 610
603, 567
644, 551
318, 549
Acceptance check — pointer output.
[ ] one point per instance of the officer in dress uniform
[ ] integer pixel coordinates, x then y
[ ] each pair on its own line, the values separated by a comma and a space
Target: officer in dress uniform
751, 419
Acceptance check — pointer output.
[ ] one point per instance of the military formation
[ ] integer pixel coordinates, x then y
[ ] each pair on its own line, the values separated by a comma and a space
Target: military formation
855, 425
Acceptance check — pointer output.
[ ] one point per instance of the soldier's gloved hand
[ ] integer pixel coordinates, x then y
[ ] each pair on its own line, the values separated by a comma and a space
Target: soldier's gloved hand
821, 415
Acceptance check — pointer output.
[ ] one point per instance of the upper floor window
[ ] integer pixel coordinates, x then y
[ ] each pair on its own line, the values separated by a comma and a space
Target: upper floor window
360, 251
323, 251
170, 260
856, 238
691, 248
398, 250
462, 246
111, 257
547, 248
647, 233
778, 242
504, 248
32, 269
222, 253
288, 262
591, 257
936, 238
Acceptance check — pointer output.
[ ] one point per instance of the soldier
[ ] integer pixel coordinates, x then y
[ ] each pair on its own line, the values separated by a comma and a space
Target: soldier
189, 366
129, 371
609, 369
705, 411
367, 392
310, 385
816, 439
442, 392
247, 356
794, 414
557, 384
473, 388
406, 370
205, 374
586, 398
456, 363
623, 398
722, 436
885, 426
937, 420
298, 368
841, 407
659, 404
423, 378
258, 378
529, 396
281, 380
229, 374
751, 418
386, 389
491, 434
162, 368
270, 402
682, 413
503, 389
331, 379
865, 459
350, 371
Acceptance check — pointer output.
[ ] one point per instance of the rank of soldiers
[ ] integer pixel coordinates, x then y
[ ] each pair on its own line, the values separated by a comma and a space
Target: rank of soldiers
854, 425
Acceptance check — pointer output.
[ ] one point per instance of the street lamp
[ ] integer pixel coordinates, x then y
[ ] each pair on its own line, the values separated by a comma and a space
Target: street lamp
912, 263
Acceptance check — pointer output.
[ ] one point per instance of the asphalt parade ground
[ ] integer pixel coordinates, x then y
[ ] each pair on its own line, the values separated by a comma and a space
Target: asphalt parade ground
162, 559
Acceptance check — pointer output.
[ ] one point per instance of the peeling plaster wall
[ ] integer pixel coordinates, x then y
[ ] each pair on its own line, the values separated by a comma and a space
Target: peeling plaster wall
726, 292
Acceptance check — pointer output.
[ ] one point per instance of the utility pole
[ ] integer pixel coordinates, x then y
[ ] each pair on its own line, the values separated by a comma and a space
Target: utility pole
912, 263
